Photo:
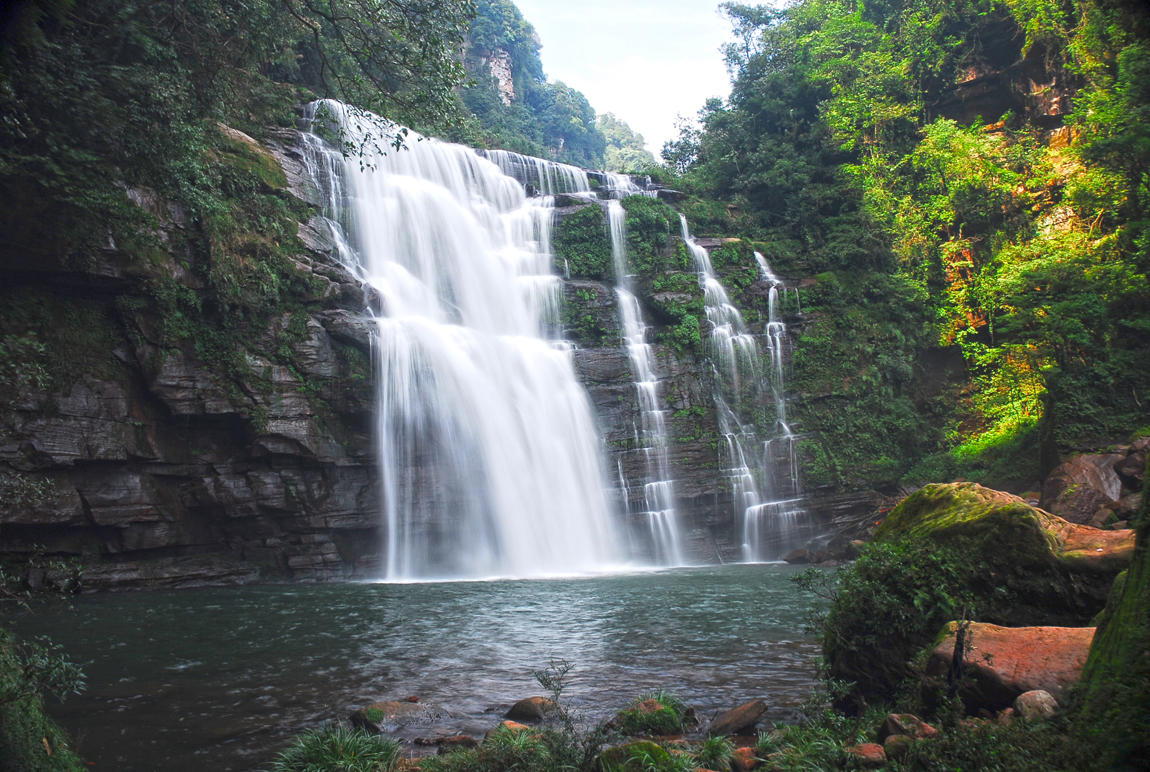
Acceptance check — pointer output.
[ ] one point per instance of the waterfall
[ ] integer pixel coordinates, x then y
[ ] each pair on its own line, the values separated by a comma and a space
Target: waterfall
766, 507
771, 527
488, 449
659, 489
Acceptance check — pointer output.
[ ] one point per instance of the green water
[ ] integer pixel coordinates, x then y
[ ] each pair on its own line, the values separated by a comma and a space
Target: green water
218, 679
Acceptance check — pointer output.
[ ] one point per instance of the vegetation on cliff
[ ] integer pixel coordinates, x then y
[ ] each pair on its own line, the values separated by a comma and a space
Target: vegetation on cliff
904, 154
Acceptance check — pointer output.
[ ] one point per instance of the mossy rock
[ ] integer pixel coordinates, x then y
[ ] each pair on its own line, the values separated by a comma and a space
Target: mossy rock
245, 153
1004, 529
633, 757
1115, 688
583, 246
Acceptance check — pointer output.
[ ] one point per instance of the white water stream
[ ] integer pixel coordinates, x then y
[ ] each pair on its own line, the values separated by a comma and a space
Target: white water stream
487, 444
651, 435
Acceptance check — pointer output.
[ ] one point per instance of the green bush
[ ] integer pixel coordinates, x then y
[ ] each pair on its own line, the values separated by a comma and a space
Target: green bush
882, 610
582, 245
650, 223
29, 740
714, 753
338, 748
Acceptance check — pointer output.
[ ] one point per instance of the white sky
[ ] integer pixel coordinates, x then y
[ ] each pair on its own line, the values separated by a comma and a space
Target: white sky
644, 60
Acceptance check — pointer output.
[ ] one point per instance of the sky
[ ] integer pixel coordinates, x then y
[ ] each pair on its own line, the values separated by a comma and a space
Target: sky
646, 61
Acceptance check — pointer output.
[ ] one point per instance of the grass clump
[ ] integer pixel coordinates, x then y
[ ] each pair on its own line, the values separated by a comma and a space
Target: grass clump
338, 748
714, 753
657, 713
521, 750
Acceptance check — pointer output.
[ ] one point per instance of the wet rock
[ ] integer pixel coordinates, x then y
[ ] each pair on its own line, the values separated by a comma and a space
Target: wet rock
897, 745
740, 720
633, 757
530, 709
905, 724
391, 715
1002, 663
801, 557
1036, 705
1075, 490
869, 755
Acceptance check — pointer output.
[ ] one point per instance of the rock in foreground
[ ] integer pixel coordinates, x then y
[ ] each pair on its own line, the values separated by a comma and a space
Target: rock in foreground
737, 720
1002, 663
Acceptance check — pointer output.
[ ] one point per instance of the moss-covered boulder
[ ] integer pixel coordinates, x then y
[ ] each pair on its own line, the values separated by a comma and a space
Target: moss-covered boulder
1115, 687
1026, 566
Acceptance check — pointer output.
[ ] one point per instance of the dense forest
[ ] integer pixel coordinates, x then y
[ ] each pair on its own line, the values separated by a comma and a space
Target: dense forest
958, 177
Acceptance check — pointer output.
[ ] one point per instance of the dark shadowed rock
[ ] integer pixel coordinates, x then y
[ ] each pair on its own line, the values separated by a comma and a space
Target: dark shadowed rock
1078, 488
905, 724
801, 557
740, 720
530, 709
1132, 468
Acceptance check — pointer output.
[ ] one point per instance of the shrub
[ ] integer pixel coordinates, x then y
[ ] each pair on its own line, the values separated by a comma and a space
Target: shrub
506, 749
882, 610
338, 748
581, 240
714, 753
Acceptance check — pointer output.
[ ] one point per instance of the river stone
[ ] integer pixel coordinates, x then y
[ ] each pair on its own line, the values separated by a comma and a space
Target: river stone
509, 726
530, 709
736, 720
744, 759
395, 714
1036, 705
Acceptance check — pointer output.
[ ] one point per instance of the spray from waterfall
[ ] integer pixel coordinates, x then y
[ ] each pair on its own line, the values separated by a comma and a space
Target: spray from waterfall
651, 434
488, 450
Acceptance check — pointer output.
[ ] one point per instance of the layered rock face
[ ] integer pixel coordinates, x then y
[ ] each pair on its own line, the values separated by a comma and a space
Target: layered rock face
160, 466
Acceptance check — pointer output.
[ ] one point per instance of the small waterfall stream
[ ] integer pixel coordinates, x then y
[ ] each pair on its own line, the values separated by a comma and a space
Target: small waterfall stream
767, 505
488, 450
651, 436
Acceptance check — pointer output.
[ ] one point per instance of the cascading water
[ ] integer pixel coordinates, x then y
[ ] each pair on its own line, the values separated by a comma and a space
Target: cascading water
487, 444
769, 512
775, 522
651, 435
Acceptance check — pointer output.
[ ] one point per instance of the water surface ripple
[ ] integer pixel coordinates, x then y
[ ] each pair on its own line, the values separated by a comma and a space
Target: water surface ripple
219, 678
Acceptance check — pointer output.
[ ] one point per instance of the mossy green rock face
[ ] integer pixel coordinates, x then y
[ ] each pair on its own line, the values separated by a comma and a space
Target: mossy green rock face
633, 757
1115, 685
1027, 566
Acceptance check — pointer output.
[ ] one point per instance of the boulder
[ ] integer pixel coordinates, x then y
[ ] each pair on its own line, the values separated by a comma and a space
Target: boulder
736, 720
1075, 490
869, 755
1036, 705
905, 724
530, 709
801, 557
896, 745
633, 757
1002, 663
1132, 468
1039, 569
394, 714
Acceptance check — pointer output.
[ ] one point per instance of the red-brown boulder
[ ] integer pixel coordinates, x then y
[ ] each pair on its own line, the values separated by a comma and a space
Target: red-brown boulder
870, 754
905, 724
1001, 663
736, 720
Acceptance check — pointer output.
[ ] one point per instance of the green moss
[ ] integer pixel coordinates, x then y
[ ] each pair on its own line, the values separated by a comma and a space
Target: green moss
249, 157
582, 245
1114, 717
650, 223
